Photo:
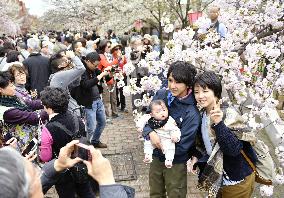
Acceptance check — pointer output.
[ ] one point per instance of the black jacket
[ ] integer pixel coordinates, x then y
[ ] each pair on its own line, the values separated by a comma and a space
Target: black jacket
39, 71
59, 136
89, 90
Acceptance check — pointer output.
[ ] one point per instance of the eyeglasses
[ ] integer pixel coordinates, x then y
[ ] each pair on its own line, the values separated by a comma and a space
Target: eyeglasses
20, 74
117, 48
96, 63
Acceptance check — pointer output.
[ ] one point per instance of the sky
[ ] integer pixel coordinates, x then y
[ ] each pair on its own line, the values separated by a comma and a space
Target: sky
36, 7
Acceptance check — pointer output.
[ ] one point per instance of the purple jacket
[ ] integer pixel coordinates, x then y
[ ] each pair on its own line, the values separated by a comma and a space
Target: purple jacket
17, 116
24, 95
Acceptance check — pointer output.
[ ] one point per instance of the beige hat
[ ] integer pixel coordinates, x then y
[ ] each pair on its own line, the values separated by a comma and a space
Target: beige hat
148, 37
45, 44
114, 45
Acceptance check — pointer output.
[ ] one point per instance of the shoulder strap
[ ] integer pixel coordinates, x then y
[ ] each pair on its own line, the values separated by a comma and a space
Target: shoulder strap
22, 55
61, 126
217, 26
166, 100
248, 161
76, 122
2, 59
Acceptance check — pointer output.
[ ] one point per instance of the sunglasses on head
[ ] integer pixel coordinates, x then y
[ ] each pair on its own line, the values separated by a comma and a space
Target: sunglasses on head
117, 48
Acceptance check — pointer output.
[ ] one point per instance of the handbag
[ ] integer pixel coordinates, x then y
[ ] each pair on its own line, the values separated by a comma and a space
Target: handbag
264, 168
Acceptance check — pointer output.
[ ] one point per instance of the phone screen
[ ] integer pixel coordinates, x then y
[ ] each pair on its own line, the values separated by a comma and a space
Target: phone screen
31, 146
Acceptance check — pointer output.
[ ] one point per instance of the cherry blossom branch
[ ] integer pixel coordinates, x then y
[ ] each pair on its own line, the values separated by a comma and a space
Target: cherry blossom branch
259, 35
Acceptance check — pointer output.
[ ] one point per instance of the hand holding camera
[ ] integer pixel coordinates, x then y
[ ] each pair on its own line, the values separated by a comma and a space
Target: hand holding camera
64, 160
108, 69
99, 168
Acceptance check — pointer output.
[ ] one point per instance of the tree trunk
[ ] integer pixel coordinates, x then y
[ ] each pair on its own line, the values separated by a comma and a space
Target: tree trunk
161, 35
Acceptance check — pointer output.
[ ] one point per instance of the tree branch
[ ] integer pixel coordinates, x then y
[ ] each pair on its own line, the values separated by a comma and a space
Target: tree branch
259, 35
206, 5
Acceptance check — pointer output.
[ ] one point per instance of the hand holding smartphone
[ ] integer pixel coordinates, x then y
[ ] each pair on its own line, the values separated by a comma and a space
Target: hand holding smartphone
32, 146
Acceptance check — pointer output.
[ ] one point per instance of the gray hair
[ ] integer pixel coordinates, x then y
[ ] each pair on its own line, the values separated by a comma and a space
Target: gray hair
33, 44
14, 182
135, 38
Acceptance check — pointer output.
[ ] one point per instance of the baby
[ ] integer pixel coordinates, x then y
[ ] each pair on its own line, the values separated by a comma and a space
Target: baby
166, 128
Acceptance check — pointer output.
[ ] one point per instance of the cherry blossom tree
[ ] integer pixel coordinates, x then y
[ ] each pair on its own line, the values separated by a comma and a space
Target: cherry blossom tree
249, 60
10, 20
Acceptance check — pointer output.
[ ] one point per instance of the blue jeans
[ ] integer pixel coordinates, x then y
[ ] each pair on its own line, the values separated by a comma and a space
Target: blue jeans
96, 121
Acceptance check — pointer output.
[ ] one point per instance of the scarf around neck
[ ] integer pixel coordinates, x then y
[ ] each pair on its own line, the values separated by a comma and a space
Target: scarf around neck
12, 101
156, 124
211, 177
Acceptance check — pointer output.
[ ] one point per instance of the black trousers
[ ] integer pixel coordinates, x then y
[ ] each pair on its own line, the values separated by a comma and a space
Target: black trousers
120, 98
66, 187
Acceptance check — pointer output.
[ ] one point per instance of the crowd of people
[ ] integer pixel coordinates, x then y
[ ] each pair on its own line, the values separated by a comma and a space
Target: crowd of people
57, 87
60, 88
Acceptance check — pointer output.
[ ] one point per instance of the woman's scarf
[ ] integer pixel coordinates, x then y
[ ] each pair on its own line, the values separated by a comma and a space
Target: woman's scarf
212, 175
156, 124
12, 101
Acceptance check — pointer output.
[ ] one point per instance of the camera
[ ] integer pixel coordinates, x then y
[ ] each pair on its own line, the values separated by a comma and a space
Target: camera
134, 55
82, 151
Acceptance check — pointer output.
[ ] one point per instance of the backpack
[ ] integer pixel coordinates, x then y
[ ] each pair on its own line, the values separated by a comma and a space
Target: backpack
79, 171
264, 168
78, 93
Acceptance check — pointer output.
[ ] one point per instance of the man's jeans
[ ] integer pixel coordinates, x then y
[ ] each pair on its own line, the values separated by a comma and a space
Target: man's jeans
96, 121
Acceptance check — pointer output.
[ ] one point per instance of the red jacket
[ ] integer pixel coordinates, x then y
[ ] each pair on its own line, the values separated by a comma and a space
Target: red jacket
104, 63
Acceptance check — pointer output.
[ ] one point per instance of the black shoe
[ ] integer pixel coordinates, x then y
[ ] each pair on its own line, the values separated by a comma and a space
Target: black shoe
99, 145
124, 110
115, 116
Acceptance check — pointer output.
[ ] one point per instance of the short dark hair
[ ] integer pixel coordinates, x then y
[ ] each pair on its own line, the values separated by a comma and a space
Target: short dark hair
156, 102
12, 56
55, 98
8, 46
75, 44
182, 72
5, 79
69, 39
21, 44
55, 60
2, 51
83, 41
102, 46
211, 80
92, 56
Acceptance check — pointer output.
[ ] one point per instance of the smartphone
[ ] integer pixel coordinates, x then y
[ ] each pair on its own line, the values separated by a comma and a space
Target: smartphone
82, 151
32, 146
8, 136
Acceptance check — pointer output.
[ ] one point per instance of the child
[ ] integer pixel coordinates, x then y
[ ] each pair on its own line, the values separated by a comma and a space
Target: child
165, 126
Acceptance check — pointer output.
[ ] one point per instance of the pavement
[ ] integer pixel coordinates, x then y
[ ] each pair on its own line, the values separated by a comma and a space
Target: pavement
122, 139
